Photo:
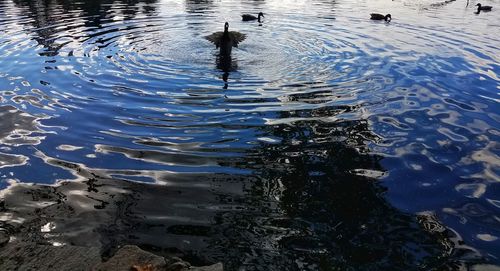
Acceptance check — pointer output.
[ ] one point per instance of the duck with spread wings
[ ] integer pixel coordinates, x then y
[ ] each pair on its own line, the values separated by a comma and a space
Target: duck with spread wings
226, 40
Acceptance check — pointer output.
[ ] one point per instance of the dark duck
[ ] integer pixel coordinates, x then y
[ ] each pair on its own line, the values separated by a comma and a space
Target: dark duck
250, 17
483, 8
377, 16
226, 40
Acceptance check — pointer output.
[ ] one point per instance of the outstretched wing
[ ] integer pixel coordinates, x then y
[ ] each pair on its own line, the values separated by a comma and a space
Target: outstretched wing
215, 38
237, 37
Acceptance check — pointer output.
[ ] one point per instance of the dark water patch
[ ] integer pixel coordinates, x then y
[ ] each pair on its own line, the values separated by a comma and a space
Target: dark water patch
104, 213
319, 144
461, 105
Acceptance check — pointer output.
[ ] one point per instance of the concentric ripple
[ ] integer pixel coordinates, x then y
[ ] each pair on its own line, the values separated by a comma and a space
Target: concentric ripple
325, 140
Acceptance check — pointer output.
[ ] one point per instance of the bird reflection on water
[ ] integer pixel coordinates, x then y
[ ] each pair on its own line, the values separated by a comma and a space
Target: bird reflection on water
226, 64
225, 41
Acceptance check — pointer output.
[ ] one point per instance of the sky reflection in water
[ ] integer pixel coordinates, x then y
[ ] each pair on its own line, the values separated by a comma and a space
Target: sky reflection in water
326, 140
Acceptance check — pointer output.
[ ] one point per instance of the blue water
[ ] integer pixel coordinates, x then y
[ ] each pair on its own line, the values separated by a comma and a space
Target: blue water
328, 141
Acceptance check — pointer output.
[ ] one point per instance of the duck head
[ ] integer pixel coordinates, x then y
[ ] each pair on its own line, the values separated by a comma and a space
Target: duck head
260, 15
388, 18
226, 27
478, 8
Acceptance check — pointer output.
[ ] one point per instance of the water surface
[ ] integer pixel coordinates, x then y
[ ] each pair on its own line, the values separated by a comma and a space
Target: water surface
326, 141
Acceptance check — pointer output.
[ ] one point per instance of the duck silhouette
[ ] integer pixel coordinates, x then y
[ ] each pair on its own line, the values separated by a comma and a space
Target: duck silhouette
226, 40
483, 8
377, 16
250, 17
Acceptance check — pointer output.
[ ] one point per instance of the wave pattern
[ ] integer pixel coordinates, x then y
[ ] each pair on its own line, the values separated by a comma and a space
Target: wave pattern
324, 140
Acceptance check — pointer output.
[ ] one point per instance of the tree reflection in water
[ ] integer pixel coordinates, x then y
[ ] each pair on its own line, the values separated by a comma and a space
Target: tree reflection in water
315, 207
47, 14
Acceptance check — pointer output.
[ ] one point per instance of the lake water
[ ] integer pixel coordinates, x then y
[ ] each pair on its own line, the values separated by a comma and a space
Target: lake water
328, 140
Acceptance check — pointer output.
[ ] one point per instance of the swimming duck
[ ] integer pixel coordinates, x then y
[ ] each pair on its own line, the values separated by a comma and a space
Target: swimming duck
483, 8
377, 16
226, 40
249, 17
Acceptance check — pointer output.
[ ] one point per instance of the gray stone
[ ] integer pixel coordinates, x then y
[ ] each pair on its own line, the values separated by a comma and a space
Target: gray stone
213, 267
31, 256
128, 257
4, 238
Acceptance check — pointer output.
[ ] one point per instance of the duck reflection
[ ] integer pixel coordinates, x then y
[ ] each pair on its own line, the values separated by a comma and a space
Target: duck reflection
226, 64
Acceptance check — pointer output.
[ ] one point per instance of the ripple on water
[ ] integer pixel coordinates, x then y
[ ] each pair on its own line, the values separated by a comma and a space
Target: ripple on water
269, 156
